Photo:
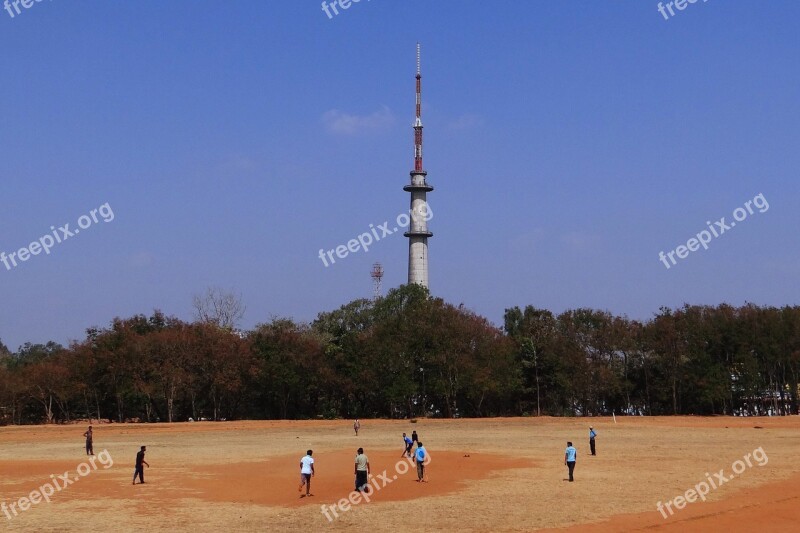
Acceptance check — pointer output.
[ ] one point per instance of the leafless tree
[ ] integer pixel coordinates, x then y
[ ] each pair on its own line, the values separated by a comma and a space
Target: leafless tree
216, 306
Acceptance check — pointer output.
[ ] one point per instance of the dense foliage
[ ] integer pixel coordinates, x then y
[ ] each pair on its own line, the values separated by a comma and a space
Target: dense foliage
408, 354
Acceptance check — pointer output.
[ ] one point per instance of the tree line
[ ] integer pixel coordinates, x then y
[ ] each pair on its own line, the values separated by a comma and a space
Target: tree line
407, 355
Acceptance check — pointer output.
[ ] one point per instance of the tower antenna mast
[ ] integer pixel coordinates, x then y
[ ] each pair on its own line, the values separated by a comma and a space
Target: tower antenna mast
418, 233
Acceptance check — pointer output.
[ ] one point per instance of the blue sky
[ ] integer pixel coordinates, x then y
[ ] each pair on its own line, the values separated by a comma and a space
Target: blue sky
569, 143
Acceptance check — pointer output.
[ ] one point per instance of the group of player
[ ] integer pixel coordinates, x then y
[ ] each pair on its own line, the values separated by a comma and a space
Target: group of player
361, 467
140, 462
418, 456
571, 454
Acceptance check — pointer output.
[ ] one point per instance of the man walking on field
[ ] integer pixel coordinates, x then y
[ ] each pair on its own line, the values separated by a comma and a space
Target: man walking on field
570, 456
362, 471
306, 473
139, 469
592, 435
420, 457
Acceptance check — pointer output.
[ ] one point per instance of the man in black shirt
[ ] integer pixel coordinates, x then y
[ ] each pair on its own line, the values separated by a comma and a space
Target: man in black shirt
140, 462
89, 446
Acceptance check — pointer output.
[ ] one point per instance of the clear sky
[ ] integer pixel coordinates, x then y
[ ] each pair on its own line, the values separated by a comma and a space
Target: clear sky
569, 144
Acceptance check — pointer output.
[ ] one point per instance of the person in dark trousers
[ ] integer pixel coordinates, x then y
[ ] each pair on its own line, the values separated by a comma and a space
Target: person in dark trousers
419, 457
306, 473
89, 445
408, 444
570, 456
414, 437
592, 435
362, 471
140, 462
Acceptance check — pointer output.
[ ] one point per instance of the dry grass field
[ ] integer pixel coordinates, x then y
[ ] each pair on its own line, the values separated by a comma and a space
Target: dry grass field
484, 475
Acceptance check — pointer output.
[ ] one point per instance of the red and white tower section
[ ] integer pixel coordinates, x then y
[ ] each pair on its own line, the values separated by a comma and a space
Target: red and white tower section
418, 233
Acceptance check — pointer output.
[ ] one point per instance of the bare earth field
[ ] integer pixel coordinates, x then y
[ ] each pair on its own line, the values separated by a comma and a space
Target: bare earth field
484, 475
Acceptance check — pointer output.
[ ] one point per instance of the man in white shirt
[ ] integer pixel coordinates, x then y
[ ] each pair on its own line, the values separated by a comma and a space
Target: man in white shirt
306, 473
362, 471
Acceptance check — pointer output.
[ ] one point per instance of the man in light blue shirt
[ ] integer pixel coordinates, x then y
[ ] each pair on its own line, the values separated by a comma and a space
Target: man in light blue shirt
570, 456
420, 457
592, 435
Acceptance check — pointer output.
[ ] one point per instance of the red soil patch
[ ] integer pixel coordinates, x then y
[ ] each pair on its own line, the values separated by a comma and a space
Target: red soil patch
275, 482
271, 482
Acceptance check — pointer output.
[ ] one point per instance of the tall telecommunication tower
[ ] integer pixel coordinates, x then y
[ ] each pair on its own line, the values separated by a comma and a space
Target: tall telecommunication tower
418, 234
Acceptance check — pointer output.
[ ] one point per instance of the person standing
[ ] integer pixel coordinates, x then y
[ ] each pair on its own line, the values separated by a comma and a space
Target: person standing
419, 457
592, 435
570, 456
408, 444
306, 473
356, 426
140, 462
362, 471
89, 445
414, 437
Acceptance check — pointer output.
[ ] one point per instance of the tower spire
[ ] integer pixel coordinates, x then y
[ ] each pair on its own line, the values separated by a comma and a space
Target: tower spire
418, 121
420, 213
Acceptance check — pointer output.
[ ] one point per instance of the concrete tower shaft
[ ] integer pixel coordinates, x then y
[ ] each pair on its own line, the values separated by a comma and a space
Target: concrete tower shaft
419, 188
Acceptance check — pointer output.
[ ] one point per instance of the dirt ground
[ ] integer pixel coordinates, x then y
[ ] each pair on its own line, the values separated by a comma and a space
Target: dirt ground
484, 475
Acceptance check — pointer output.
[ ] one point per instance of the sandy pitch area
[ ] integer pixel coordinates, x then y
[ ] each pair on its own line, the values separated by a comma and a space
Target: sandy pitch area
485, 475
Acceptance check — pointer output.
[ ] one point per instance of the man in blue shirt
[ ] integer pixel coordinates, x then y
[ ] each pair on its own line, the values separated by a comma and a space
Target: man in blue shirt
420, 457
570, 455
592, 435
408, 443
